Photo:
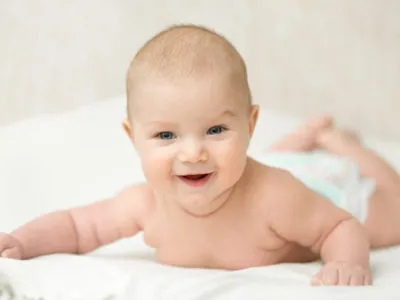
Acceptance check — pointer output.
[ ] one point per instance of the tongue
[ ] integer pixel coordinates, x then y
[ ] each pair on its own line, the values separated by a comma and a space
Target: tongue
195, 177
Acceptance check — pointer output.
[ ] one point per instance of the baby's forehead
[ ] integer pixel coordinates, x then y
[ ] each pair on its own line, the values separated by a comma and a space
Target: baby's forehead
167, 95
186, 113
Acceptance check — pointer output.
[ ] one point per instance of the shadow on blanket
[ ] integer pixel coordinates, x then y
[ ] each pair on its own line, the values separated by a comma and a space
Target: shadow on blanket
6, 290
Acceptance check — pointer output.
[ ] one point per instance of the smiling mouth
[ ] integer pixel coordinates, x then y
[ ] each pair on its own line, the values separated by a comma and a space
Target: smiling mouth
196, 180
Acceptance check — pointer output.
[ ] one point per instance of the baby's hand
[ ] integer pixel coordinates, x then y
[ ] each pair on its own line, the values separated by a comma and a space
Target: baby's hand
10, 247
340, 273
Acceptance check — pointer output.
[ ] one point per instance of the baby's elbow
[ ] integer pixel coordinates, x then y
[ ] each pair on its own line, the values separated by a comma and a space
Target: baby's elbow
348, 232
344, 227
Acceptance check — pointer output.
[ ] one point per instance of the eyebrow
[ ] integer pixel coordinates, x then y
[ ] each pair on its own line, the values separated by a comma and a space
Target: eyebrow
226, 112
158, 123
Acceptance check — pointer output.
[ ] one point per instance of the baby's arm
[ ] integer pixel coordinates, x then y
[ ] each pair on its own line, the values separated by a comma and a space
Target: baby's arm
306, 218
81, 229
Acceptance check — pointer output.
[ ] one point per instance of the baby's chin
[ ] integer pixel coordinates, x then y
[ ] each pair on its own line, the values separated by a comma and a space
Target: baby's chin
195, 202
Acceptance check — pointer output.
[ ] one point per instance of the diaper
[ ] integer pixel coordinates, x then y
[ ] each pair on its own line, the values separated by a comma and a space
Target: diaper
335, 177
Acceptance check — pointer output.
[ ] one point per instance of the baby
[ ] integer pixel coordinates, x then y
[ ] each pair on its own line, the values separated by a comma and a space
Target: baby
207, 204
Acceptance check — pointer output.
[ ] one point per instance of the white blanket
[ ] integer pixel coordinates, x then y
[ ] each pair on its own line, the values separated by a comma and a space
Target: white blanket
65, 160
127, 270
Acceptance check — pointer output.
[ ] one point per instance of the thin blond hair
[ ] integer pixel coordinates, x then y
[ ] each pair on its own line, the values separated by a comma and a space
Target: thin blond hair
184, 51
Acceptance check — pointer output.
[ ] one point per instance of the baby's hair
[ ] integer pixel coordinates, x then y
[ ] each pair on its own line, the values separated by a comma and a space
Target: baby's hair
185, 51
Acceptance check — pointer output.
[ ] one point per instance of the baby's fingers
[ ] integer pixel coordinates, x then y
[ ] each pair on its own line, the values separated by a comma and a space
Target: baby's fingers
344, 276
327, 276
368, 279
10, 247
330, 276
357, 279
11, 253
360, 277
5, 242
316, 280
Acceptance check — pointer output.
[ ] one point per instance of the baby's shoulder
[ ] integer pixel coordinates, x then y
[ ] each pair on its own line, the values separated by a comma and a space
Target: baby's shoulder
139, 191
272, 184
139, 199
272, 177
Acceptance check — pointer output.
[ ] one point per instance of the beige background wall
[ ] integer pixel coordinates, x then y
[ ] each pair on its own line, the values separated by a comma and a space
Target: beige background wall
304, 56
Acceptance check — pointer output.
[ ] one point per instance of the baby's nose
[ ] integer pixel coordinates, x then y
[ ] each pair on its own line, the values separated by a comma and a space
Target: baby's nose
192, 151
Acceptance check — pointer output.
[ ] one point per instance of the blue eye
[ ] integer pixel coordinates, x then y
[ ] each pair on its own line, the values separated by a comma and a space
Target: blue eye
166, 135
215, 130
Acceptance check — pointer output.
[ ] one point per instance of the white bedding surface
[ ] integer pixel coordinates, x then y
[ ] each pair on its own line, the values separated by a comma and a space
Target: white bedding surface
82, 156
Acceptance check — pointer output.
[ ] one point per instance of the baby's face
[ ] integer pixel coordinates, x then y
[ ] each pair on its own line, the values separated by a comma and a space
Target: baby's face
192, 138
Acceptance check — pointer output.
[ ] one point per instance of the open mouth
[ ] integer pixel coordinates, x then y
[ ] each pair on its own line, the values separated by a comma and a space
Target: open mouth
195, 180
195, 177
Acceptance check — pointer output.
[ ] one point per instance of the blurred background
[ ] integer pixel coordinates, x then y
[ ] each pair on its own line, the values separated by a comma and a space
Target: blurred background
304, 56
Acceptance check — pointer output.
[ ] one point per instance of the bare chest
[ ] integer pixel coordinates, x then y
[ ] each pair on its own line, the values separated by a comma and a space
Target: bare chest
233, 244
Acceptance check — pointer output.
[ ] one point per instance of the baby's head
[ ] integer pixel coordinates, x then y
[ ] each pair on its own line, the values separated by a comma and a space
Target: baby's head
190, 113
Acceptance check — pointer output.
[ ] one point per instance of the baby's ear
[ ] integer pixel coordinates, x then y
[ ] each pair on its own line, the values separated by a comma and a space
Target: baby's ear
128, 128
253, 118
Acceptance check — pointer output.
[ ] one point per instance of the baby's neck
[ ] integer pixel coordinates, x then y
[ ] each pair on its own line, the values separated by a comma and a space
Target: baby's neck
174, 206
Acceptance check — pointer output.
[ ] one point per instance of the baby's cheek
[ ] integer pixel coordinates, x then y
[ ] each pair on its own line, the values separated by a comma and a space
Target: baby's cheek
155, 167
232, 156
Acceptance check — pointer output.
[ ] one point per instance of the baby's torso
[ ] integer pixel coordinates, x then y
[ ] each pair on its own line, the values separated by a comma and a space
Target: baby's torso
240, 239
231, 245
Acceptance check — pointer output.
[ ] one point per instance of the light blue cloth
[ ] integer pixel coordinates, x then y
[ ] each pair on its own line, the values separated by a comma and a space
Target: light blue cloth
334, 177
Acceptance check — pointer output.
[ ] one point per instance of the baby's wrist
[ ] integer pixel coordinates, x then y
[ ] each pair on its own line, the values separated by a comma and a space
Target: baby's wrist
354, 264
